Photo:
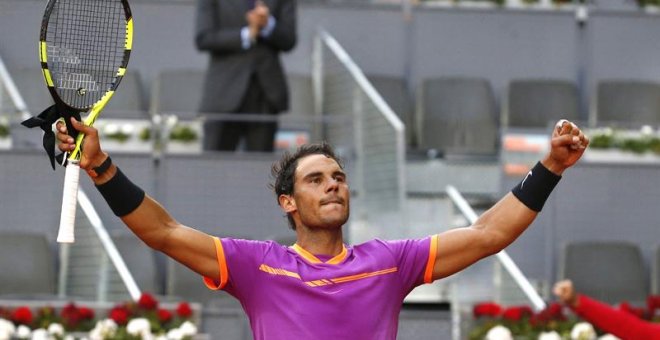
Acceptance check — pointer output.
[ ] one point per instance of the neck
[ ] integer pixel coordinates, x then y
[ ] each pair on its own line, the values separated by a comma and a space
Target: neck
321, 242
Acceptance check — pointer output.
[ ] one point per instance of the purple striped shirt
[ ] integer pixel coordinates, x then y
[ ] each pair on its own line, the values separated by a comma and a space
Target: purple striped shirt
288, 293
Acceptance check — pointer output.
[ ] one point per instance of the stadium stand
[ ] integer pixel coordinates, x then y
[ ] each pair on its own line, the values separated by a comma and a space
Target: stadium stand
611, 271
140, 260
394, 91
628, 102
539, 103
655, 272
130, 102
21, 279
30, 83
177, 92
458, 116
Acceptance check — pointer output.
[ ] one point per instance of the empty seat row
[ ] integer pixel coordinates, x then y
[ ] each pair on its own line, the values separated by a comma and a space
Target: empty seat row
449, 114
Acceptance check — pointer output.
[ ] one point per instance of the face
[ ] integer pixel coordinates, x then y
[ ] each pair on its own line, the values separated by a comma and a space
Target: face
320, 197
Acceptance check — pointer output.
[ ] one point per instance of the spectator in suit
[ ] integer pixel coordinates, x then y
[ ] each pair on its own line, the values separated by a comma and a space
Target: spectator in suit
617, 322
244, 39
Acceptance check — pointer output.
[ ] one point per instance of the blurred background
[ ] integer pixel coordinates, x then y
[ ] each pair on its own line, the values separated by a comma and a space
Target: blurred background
437, 107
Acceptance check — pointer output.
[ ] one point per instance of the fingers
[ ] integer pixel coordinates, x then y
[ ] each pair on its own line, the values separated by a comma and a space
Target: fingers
66, 142
569, 134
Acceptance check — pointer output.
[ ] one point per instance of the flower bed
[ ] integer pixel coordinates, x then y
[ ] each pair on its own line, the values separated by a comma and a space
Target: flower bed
144, 319
495, 322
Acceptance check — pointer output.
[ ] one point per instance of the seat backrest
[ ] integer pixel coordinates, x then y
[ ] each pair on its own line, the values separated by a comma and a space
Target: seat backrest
129, 100
301, 104
655, 272
140, 260
627, 101
395, 93
178, 92
610, 271
27, 265
539, 103
458, 115
31, 85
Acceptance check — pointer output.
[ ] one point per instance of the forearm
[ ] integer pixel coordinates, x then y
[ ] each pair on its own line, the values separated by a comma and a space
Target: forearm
143, 215
504, 222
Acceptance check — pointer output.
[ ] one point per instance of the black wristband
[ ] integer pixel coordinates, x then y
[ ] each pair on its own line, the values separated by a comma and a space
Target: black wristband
101, 169
536, 187
121, 194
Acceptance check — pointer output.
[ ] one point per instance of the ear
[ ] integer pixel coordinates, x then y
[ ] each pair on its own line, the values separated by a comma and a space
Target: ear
287, 203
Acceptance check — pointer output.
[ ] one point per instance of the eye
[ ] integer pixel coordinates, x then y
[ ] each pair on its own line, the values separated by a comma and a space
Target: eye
316, 180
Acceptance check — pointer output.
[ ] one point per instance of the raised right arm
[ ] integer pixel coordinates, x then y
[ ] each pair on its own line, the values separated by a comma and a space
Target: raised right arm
146, 218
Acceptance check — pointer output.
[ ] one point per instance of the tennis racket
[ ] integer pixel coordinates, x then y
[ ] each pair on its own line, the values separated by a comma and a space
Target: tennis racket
84, 50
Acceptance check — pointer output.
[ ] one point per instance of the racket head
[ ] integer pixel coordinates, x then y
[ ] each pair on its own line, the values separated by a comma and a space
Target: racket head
84, 49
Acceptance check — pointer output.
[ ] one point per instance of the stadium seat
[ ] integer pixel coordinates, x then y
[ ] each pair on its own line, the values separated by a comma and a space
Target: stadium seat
539, 103
631, 102
610, 271
129, 101
655, 272
177, 92
395, 92
140, 260
299, 117
31, 85
28, 266
458, 115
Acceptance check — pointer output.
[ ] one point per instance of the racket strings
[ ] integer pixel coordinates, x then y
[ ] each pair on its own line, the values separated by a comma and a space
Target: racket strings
85, 42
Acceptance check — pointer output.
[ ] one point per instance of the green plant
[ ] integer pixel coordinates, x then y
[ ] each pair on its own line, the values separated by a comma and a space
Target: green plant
183, 133
145, 134
118, 136
4, 130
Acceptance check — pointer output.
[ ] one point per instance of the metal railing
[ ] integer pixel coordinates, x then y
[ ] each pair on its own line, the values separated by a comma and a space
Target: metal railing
88, 268
503, 258
372, 139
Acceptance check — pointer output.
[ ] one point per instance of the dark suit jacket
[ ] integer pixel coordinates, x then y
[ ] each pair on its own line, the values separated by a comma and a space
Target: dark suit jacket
218, 27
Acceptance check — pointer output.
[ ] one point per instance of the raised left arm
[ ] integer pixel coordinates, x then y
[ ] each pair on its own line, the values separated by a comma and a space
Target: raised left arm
500, 225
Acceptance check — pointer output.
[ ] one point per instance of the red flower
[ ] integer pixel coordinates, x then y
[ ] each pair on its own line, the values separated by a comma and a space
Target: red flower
184, 310
489, 309
119, 314
147, 302
653, 303
22, 315
86, 313
164, 316
70, 316
554, 312
516, 313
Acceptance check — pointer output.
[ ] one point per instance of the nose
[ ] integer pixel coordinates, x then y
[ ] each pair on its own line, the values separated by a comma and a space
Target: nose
333, 185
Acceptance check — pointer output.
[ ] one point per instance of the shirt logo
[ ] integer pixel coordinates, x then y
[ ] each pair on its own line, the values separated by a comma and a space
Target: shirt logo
325, 282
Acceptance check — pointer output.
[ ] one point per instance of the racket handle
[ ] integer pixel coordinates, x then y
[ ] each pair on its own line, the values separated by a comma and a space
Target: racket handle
69, 203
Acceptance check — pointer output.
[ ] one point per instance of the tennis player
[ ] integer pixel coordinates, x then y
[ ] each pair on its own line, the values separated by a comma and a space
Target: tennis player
322, 288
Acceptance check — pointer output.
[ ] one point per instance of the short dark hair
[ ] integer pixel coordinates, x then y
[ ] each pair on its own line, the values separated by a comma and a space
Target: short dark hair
284, 171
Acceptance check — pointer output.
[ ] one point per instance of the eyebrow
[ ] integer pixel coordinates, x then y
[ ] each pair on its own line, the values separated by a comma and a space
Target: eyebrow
319, 173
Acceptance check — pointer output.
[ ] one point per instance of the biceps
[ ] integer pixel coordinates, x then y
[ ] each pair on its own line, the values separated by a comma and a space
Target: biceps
459, 248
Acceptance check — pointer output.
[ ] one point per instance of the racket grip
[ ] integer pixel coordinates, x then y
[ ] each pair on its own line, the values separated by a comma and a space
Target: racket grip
69, 203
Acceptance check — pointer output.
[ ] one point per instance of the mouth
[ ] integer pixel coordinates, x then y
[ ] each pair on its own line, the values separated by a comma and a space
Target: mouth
333, 200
